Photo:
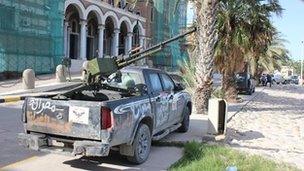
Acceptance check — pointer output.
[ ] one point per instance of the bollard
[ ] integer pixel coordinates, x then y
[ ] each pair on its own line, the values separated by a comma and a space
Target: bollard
28, 79
61, 73
217, 116
83, 70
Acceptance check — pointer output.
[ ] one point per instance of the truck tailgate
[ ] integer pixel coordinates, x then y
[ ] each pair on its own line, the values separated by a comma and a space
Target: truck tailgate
79, 119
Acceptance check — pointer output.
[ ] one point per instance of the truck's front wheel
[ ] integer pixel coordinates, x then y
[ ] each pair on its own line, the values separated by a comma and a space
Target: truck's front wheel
186, 121
141, 145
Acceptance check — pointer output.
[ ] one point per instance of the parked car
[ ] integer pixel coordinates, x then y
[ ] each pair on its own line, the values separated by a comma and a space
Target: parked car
245, 83
125, 115
295, 79
279, 79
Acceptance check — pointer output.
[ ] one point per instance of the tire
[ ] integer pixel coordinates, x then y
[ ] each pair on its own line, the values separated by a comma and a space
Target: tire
249, 92
186, 121
141, 145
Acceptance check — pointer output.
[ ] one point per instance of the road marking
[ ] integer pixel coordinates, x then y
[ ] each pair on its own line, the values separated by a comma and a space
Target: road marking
11, 166
12, 99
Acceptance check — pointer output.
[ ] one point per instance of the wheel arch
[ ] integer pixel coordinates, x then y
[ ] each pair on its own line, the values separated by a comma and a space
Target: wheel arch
145, 120
148, 121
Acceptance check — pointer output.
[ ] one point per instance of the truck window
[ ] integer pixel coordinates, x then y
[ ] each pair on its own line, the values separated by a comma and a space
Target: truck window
155, 82
167, 82
128, 80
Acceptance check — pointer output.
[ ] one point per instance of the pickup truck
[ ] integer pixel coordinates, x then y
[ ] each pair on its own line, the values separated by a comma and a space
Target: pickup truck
91, 123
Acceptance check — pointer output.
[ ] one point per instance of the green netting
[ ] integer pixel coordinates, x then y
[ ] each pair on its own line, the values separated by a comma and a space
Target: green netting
170, 18
31, 35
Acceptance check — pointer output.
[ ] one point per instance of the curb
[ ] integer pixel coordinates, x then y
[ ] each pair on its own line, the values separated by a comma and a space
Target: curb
22, 96
242, 108
12, 99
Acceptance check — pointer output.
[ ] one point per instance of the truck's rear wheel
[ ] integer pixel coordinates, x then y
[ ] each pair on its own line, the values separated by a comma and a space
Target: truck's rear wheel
141, 145
186, 121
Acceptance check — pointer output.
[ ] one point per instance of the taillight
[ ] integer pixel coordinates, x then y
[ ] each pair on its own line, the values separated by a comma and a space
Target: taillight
106, 118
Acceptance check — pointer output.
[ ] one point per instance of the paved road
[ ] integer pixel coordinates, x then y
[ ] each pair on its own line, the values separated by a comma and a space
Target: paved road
272, 125
10, 125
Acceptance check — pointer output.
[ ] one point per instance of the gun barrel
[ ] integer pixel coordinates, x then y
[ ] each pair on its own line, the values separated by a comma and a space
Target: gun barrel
151, 50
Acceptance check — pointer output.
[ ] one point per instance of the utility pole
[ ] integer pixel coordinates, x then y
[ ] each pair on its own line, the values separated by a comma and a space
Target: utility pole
301, 74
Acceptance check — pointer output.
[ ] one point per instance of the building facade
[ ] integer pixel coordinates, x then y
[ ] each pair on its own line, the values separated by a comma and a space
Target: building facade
97, 29
30, 35
39, 34
170, 19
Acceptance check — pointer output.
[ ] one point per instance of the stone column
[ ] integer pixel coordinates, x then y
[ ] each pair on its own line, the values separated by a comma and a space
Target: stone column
68, 42
83, 40
142, 42
115, 42
129, 41
101, 29
65, 36
142, 45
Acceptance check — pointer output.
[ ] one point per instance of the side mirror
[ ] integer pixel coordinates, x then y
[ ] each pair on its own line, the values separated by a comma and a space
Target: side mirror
179, 87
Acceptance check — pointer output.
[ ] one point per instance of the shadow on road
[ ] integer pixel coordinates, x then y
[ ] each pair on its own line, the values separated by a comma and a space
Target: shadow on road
243, 136
101, 163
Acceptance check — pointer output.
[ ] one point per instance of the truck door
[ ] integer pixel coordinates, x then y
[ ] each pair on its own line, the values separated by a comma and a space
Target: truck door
172, 98
160, 105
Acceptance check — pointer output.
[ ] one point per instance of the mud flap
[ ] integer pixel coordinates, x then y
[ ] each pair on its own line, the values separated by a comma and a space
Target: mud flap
126, 150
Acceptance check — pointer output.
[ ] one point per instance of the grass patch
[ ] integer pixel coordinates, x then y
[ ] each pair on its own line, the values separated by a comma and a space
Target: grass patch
211, 157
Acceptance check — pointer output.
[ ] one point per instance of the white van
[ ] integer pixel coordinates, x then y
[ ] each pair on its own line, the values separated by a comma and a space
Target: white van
278, 78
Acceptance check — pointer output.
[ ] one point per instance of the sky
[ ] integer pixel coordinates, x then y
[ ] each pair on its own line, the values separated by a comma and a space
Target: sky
291, 26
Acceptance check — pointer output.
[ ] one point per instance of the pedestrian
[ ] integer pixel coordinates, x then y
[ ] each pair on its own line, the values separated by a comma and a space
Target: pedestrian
269, 80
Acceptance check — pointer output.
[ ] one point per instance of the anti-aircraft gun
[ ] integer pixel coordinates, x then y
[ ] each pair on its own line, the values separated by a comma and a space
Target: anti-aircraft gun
101, 69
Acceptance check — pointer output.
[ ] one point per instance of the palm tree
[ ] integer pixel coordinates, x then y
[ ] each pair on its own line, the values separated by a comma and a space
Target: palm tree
275, 57
261, 29
233, 43
245, 30
206, 11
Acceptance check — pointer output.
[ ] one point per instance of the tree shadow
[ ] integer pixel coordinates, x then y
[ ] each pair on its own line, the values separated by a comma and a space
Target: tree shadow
242, 136
277, 103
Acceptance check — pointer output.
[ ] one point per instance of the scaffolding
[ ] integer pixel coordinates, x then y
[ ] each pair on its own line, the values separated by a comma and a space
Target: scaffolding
31, 35
170, 19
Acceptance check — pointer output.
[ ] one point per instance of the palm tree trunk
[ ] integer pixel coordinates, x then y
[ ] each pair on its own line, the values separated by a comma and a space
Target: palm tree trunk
229, 86
207, 36
255, 69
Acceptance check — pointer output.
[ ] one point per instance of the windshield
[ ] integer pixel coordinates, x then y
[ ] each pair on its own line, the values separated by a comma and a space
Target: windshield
128, 80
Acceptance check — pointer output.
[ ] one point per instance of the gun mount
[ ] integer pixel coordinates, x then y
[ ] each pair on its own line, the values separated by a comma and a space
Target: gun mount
100, 69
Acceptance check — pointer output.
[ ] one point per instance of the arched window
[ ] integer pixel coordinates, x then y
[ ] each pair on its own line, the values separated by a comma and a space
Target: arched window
74, 26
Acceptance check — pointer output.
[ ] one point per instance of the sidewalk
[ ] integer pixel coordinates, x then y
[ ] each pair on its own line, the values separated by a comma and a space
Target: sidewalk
199, 123
45, 83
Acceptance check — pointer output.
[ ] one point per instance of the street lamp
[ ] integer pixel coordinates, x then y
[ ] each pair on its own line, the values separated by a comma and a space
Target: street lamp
301, 74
